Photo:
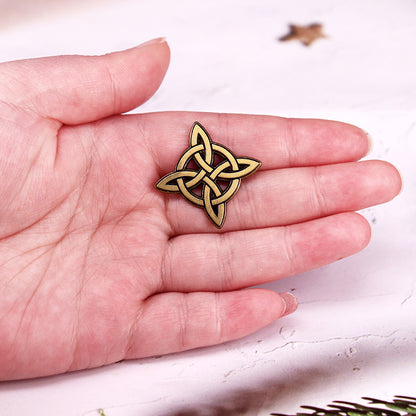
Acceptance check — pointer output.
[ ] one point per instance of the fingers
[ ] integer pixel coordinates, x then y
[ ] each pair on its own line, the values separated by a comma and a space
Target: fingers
173, 322
277, 142
79, 89
287, 196
222, 262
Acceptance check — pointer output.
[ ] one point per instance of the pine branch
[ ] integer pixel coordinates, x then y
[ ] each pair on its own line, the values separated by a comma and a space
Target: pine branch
400, 406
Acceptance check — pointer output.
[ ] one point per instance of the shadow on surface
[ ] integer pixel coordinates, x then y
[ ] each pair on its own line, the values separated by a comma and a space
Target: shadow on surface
254, 401
290, 390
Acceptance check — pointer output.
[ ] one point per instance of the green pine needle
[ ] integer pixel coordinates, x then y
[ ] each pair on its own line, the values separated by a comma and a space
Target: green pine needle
400, 406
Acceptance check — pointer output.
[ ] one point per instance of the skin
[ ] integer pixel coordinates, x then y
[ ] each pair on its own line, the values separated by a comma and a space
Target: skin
97, 266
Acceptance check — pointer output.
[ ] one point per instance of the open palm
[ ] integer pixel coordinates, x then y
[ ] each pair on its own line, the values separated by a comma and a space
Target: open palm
96, 265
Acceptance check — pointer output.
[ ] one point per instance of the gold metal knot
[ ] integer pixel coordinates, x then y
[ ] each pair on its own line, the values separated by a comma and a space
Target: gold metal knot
230, 169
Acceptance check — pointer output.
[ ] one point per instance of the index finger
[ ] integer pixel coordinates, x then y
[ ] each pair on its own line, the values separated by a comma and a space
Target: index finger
277, 142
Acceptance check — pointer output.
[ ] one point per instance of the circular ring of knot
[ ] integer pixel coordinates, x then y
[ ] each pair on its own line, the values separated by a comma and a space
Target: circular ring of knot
202, 152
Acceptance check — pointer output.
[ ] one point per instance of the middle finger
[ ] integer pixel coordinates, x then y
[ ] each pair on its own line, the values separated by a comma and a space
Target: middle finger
293, 195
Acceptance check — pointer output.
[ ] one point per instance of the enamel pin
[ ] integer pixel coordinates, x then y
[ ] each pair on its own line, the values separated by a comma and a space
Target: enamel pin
212, 184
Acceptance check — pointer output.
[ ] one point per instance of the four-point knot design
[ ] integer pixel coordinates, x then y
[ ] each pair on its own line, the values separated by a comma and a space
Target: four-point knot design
229, 170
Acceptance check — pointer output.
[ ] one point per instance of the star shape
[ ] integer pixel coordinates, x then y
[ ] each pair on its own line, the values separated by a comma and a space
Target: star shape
305, 34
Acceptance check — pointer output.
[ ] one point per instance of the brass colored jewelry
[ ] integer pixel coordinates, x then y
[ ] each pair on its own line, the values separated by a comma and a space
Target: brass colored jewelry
213, 198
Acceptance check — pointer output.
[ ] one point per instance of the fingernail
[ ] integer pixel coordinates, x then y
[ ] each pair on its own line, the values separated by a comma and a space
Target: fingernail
370, 142
291, 303
152, 42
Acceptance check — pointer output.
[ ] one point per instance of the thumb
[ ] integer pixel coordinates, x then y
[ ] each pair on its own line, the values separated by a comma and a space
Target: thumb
79, 89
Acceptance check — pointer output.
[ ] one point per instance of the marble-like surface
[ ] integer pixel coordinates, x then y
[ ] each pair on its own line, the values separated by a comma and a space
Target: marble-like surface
355, 331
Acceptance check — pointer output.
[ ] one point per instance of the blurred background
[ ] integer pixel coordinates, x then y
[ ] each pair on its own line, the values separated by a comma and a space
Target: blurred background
355, 331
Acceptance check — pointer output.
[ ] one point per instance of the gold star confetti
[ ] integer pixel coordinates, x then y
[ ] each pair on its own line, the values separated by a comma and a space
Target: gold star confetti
305, 34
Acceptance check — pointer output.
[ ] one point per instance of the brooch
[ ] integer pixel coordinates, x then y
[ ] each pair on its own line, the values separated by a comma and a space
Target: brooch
213, 177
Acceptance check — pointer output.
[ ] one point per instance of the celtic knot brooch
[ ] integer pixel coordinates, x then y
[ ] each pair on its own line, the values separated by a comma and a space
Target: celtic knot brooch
208, 175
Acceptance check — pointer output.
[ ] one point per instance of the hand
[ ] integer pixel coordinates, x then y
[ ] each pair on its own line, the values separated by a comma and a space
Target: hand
96, 265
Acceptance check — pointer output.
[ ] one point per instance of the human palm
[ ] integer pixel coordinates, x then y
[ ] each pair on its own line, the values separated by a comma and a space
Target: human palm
97, 266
